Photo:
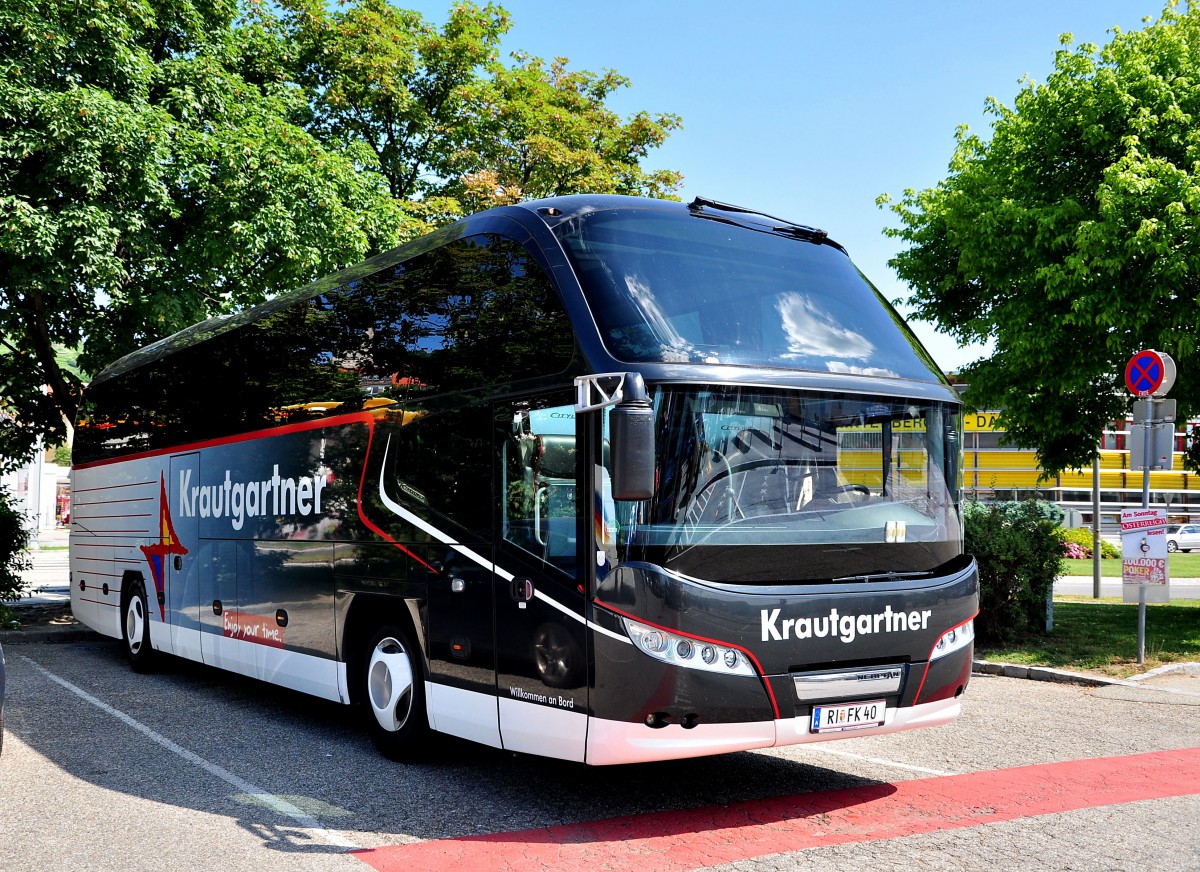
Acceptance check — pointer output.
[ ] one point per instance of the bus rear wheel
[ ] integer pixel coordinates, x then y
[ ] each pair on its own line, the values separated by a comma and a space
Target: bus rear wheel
394, 693
135, 629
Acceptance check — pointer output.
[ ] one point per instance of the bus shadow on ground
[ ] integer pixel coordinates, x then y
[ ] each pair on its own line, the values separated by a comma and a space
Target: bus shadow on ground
314, 756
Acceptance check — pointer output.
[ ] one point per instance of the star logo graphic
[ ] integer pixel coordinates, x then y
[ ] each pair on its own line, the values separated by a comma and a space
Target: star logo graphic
167, 544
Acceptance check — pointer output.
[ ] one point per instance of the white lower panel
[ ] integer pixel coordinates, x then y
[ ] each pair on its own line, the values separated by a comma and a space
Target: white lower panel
185, 642
318, 676
104, 618
306, 673
532, 728
464, 713
611, 742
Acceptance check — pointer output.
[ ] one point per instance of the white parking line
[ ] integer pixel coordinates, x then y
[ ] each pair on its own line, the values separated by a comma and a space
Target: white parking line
270, 800
877, 760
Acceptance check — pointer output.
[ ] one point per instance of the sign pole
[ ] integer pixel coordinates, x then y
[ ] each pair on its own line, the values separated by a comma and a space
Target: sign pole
1146, 459
1149, 374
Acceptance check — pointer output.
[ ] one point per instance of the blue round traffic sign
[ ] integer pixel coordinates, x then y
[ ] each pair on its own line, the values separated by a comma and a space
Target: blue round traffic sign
1149, 373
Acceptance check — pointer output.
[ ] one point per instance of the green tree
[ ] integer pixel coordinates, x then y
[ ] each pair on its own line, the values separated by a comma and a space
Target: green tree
389, 80
146, 183
162, 161
1070, 237
14, 560
448, 125
545, 130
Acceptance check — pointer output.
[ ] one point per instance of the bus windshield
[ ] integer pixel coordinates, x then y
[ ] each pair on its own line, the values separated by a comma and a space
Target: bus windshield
671, 287
760, 486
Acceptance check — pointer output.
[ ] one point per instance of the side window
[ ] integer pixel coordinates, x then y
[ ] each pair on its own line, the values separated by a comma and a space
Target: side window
538, 467
476, 311
440, 464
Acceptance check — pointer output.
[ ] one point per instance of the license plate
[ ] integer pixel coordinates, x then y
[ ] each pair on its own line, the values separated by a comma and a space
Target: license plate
850, 716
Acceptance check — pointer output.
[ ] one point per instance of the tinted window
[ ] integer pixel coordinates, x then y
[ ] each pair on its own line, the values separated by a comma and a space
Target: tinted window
440, 465
674, 287
476, 312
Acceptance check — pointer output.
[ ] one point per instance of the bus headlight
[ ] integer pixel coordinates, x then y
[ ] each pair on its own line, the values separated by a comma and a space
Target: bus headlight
954, 640
688, 651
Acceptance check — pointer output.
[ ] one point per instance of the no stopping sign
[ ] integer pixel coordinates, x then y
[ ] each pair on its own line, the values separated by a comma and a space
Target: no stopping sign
1150, 373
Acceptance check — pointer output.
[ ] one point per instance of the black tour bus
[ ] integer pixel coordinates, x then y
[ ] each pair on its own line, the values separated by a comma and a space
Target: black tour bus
598, 478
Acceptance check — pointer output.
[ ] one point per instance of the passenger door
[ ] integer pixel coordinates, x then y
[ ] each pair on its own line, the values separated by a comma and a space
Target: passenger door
541, 639
180, 567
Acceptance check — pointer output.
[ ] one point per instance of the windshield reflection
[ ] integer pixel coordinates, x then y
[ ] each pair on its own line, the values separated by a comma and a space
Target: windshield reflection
667, 287
845, 485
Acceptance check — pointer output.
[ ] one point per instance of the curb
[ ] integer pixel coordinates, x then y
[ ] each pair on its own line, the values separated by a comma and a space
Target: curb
1042, 673
1062, 676
71, 633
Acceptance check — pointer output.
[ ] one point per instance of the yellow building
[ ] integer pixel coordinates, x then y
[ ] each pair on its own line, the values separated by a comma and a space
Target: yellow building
995, 471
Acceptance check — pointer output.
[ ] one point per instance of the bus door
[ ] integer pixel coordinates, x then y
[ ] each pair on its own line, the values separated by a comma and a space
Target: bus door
180, 566
215, 571
541, 640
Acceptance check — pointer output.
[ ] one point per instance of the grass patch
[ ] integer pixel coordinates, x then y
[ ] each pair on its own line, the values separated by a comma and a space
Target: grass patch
1181, 565
1101, 636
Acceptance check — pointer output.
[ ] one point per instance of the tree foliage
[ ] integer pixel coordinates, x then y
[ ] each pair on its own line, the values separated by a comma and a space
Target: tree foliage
145, 183
14, 559
162, 161
452, 128
1071, 237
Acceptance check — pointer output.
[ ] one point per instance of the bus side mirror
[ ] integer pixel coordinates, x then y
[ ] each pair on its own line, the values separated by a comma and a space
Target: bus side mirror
631, 424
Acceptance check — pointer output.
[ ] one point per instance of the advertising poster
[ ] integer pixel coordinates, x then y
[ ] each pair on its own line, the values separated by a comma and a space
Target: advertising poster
1144, 555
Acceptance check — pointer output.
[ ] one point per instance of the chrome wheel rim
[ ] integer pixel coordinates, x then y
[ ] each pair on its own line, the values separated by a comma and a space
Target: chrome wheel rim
135, 624
390, 684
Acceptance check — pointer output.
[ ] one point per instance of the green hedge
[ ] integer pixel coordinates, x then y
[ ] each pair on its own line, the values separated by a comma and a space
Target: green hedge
14, 538
1019, 556
1083, 538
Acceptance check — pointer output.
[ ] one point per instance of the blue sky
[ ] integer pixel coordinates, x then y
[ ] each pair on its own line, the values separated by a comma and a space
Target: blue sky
810, 110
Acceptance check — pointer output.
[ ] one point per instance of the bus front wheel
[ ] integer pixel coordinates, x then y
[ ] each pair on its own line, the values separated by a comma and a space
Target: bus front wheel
135, 629
394, 693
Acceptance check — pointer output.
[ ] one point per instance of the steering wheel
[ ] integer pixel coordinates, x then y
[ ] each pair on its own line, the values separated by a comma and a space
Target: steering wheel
860, 490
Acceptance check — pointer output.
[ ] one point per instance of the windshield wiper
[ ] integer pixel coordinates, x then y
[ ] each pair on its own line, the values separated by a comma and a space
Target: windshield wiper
890, 576
791, 228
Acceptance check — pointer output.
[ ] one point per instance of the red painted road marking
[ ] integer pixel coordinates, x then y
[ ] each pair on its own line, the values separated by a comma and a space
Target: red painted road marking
676, 841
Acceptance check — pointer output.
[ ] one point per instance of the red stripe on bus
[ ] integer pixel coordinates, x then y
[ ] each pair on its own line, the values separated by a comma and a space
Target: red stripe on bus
265, 433
929, 659
374, 528
749, 654
694, 838
77, 504
101, 602
101, 534
84, 490
111, 517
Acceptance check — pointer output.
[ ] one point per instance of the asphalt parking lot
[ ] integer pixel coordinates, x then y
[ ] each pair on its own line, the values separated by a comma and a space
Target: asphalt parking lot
195, 768
105, 769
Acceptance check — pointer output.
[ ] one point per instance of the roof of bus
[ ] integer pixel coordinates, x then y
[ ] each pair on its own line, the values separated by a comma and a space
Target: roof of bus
550, 211
556, 210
